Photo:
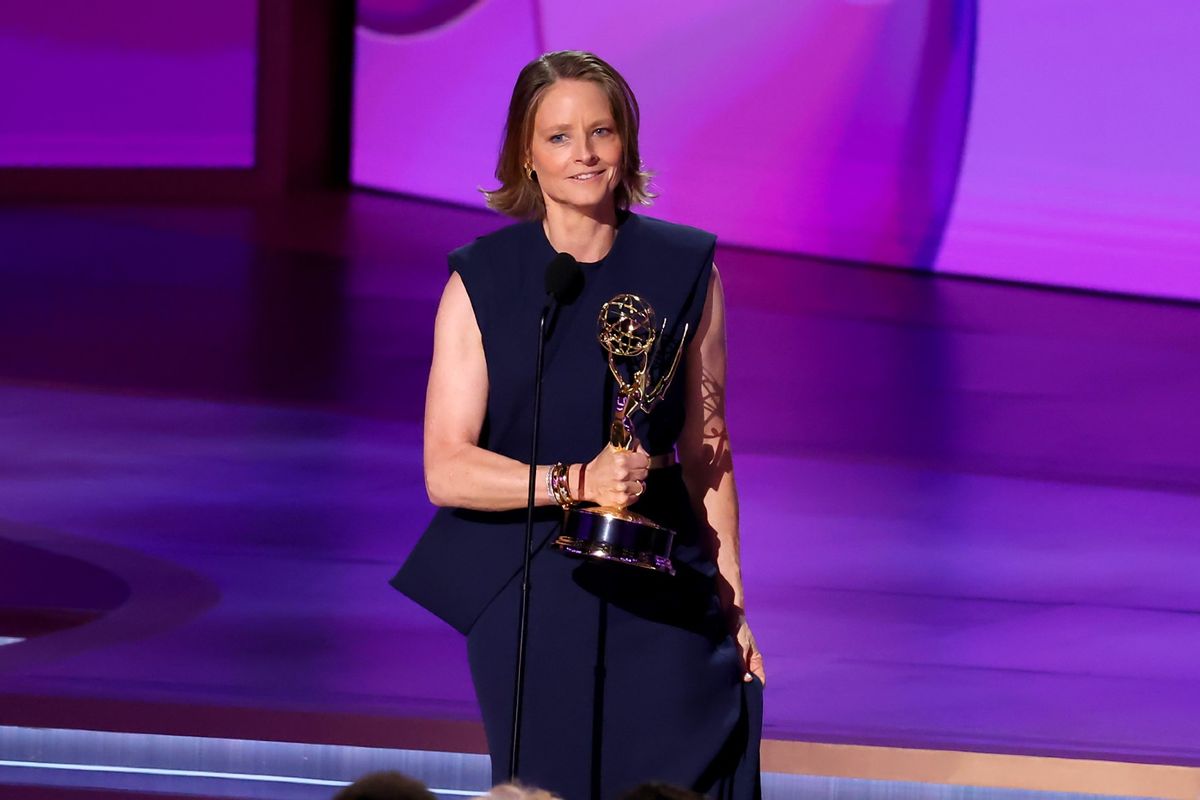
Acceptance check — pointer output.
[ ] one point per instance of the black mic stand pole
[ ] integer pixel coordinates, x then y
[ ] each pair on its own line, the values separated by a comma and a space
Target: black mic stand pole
523, 626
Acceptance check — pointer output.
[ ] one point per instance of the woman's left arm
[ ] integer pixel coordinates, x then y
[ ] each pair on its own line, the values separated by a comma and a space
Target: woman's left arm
708, 465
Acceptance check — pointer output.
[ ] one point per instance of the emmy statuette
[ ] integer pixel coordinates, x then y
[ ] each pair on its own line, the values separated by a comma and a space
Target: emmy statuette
626, 330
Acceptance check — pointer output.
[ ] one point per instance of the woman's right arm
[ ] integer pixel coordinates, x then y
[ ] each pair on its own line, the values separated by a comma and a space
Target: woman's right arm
460, 473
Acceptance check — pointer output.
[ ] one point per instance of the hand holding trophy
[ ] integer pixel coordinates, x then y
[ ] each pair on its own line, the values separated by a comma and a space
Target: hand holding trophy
626, 330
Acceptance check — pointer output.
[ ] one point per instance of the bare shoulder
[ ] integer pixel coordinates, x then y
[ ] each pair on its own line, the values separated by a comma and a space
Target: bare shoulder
454, 309
712, 318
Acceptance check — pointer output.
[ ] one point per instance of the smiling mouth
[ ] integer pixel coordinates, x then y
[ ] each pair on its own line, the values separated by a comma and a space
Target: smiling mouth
587, 176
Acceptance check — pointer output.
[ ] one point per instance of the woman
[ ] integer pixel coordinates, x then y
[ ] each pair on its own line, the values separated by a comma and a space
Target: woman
632, 675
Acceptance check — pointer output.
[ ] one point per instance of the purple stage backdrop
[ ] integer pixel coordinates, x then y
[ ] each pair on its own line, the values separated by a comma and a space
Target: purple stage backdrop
838, 127
128, 83
1051, 142
824, 127
1083, 157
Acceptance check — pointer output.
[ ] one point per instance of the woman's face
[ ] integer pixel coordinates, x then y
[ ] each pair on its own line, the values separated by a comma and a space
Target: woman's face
576, 149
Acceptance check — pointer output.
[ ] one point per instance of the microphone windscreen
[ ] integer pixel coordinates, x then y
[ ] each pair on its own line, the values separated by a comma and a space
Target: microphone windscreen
563, 277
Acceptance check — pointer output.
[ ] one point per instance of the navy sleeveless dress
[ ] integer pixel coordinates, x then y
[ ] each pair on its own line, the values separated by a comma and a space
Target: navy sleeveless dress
632, 675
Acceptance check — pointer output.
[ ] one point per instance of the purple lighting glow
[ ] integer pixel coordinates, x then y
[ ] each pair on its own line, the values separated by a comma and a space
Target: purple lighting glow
144, 84
826, 128
1040, 142
1082, 166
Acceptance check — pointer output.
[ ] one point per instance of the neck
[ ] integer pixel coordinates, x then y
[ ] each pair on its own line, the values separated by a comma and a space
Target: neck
588, 236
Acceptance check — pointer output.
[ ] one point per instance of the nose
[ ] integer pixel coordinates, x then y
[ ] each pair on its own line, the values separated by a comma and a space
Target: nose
587, 154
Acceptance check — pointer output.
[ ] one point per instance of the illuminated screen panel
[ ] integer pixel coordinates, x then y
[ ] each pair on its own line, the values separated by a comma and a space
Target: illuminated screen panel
826, 127
128, 83
1082, 163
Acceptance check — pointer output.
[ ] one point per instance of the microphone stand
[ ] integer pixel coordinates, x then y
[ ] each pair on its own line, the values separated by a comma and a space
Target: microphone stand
523, 625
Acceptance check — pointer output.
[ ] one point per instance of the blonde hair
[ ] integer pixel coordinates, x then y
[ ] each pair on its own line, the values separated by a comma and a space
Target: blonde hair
519, 195
518, 791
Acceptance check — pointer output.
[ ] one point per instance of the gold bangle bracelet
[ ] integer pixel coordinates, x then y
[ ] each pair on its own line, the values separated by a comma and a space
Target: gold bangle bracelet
559, 488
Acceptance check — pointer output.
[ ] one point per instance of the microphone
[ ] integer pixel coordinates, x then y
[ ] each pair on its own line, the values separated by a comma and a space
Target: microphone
564, 278
564, 282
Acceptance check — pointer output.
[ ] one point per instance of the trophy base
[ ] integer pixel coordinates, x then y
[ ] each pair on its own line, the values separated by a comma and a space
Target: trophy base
616, 534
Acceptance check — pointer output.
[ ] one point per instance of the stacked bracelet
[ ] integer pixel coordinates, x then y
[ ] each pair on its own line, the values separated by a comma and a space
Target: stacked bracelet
550, 483
558, 485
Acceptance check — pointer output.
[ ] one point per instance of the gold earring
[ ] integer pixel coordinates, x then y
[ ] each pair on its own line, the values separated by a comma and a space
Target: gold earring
529, 173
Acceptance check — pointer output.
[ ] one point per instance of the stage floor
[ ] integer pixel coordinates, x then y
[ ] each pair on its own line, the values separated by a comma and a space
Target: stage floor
971, 511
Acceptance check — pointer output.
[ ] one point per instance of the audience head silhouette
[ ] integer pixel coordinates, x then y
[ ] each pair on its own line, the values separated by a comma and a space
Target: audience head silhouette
389, 785
515, 791
661, 791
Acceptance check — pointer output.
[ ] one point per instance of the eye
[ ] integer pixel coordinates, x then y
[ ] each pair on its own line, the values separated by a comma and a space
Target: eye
602, 131
558, 138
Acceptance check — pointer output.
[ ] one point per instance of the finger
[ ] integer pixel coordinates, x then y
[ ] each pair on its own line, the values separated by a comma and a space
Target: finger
756, 667
756, 671
635, 460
